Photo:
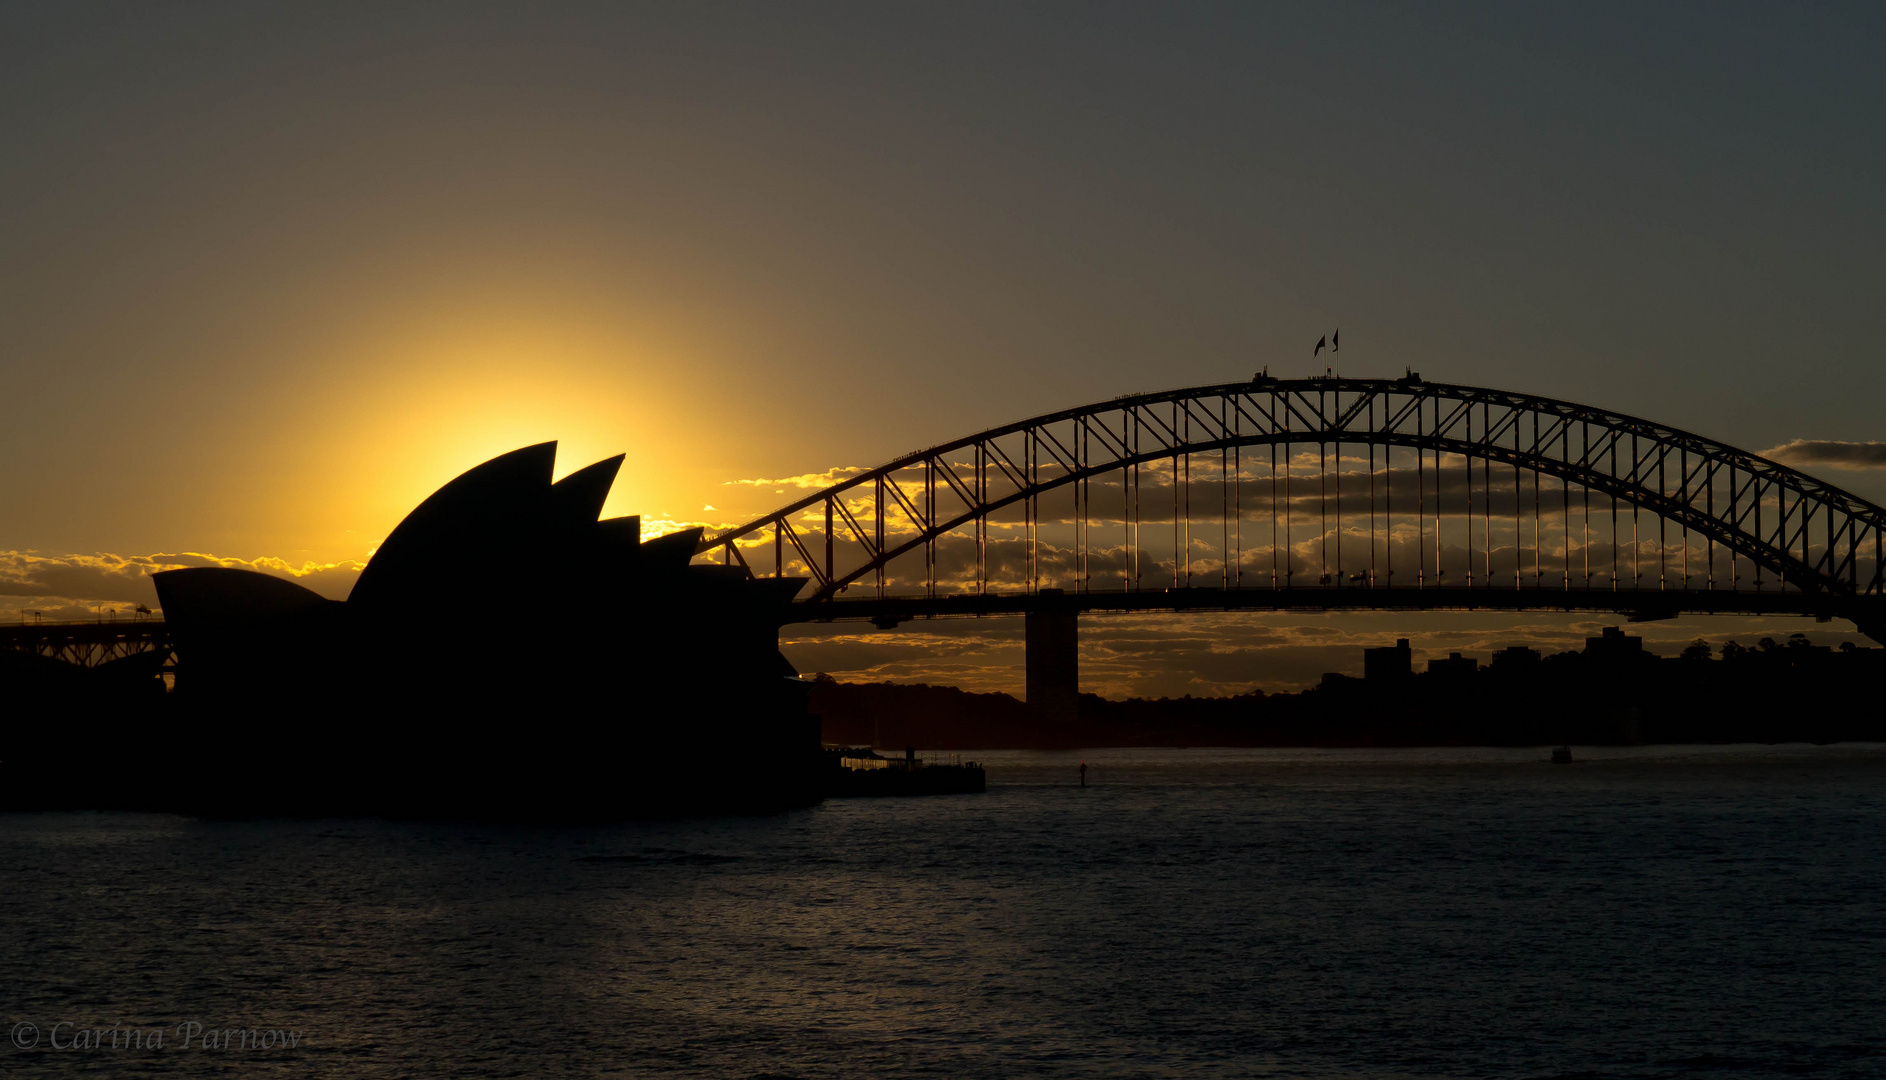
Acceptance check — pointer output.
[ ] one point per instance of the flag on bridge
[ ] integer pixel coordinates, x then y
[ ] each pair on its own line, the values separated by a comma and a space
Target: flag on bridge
1332, 340
1321, 343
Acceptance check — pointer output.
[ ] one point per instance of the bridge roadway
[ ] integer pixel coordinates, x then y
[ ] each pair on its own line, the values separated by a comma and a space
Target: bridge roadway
1638, 605
87, 644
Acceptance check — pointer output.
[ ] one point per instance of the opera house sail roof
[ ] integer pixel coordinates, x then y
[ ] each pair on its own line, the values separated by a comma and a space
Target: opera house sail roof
504, 603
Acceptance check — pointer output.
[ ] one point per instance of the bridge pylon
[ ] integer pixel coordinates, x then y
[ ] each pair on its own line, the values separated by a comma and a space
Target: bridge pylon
1052, 639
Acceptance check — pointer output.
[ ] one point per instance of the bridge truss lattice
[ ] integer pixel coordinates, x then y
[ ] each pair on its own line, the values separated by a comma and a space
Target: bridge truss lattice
87, 644
1330, 484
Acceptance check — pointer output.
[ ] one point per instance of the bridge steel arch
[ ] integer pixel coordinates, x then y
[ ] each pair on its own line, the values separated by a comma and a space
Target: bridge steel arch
1817, 542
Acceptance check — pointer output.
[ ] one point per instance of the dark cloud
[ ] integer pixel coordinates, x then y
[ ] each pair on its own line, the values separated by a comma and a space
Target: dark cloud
1834, 452
78, 586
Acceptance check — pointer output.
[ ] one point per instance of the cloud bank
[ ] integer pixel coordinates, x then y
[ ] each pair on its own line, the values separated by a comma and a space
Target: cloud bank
68, 587
1830, 452
805, 481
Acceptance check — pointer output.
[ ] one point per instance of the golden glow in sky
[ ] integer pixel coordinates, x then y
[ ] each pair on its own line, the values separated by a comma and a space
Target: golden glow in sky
444, 400
266, 282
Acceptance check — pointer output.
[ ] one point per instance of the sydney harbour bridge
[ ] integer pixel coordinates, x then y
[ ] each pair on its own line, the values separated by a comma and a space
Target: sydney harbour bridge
1294, 494
1320, 494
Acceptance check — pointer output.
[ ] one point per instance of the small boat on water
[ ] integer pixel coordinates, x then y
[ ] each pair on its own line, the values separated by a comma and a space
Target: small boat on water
861, 771
1561, 755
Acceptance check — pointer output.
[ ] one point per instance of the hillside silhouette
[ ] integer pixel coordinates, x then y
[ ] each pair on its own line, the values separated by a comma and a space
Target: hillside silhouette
1610, 693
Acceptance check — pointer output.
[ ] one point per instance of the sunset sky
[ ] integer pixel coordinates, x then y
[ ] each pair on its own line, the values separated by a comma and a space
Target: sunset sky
270, 274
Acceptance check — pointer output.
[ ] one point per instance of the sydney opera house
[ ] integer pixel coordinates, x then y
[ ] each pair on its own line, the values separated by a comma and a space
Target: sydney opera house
504, 654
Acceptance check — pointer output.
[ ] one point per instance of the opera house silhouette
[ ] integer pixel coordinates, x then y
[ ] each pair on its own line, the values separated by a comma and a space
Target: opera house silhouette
504, 654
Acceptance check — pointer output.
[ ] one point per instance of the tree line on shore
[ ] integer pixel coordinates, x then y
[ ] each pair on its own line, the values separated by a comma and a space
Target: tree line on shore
1607, 694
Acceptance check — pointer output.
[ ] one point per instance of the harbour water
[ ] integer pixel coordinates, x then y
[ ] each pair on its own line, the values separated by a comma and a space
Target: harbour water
1647, 912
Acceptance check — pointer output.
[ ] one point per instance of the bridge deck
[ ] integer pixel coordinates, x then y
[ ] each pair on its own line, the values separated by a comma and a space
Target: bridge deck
1638, 605
87, 644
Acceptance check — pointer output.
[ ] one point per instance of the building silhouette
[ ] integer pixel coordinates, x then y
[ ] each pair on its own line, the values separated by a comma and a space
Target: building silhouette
1614, 646
1388, 661
504, 654
1453, 666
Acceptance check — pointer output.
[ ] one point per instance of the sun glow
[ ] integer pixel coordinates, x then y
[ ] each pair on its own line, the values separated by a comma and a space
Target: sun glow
411, 410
